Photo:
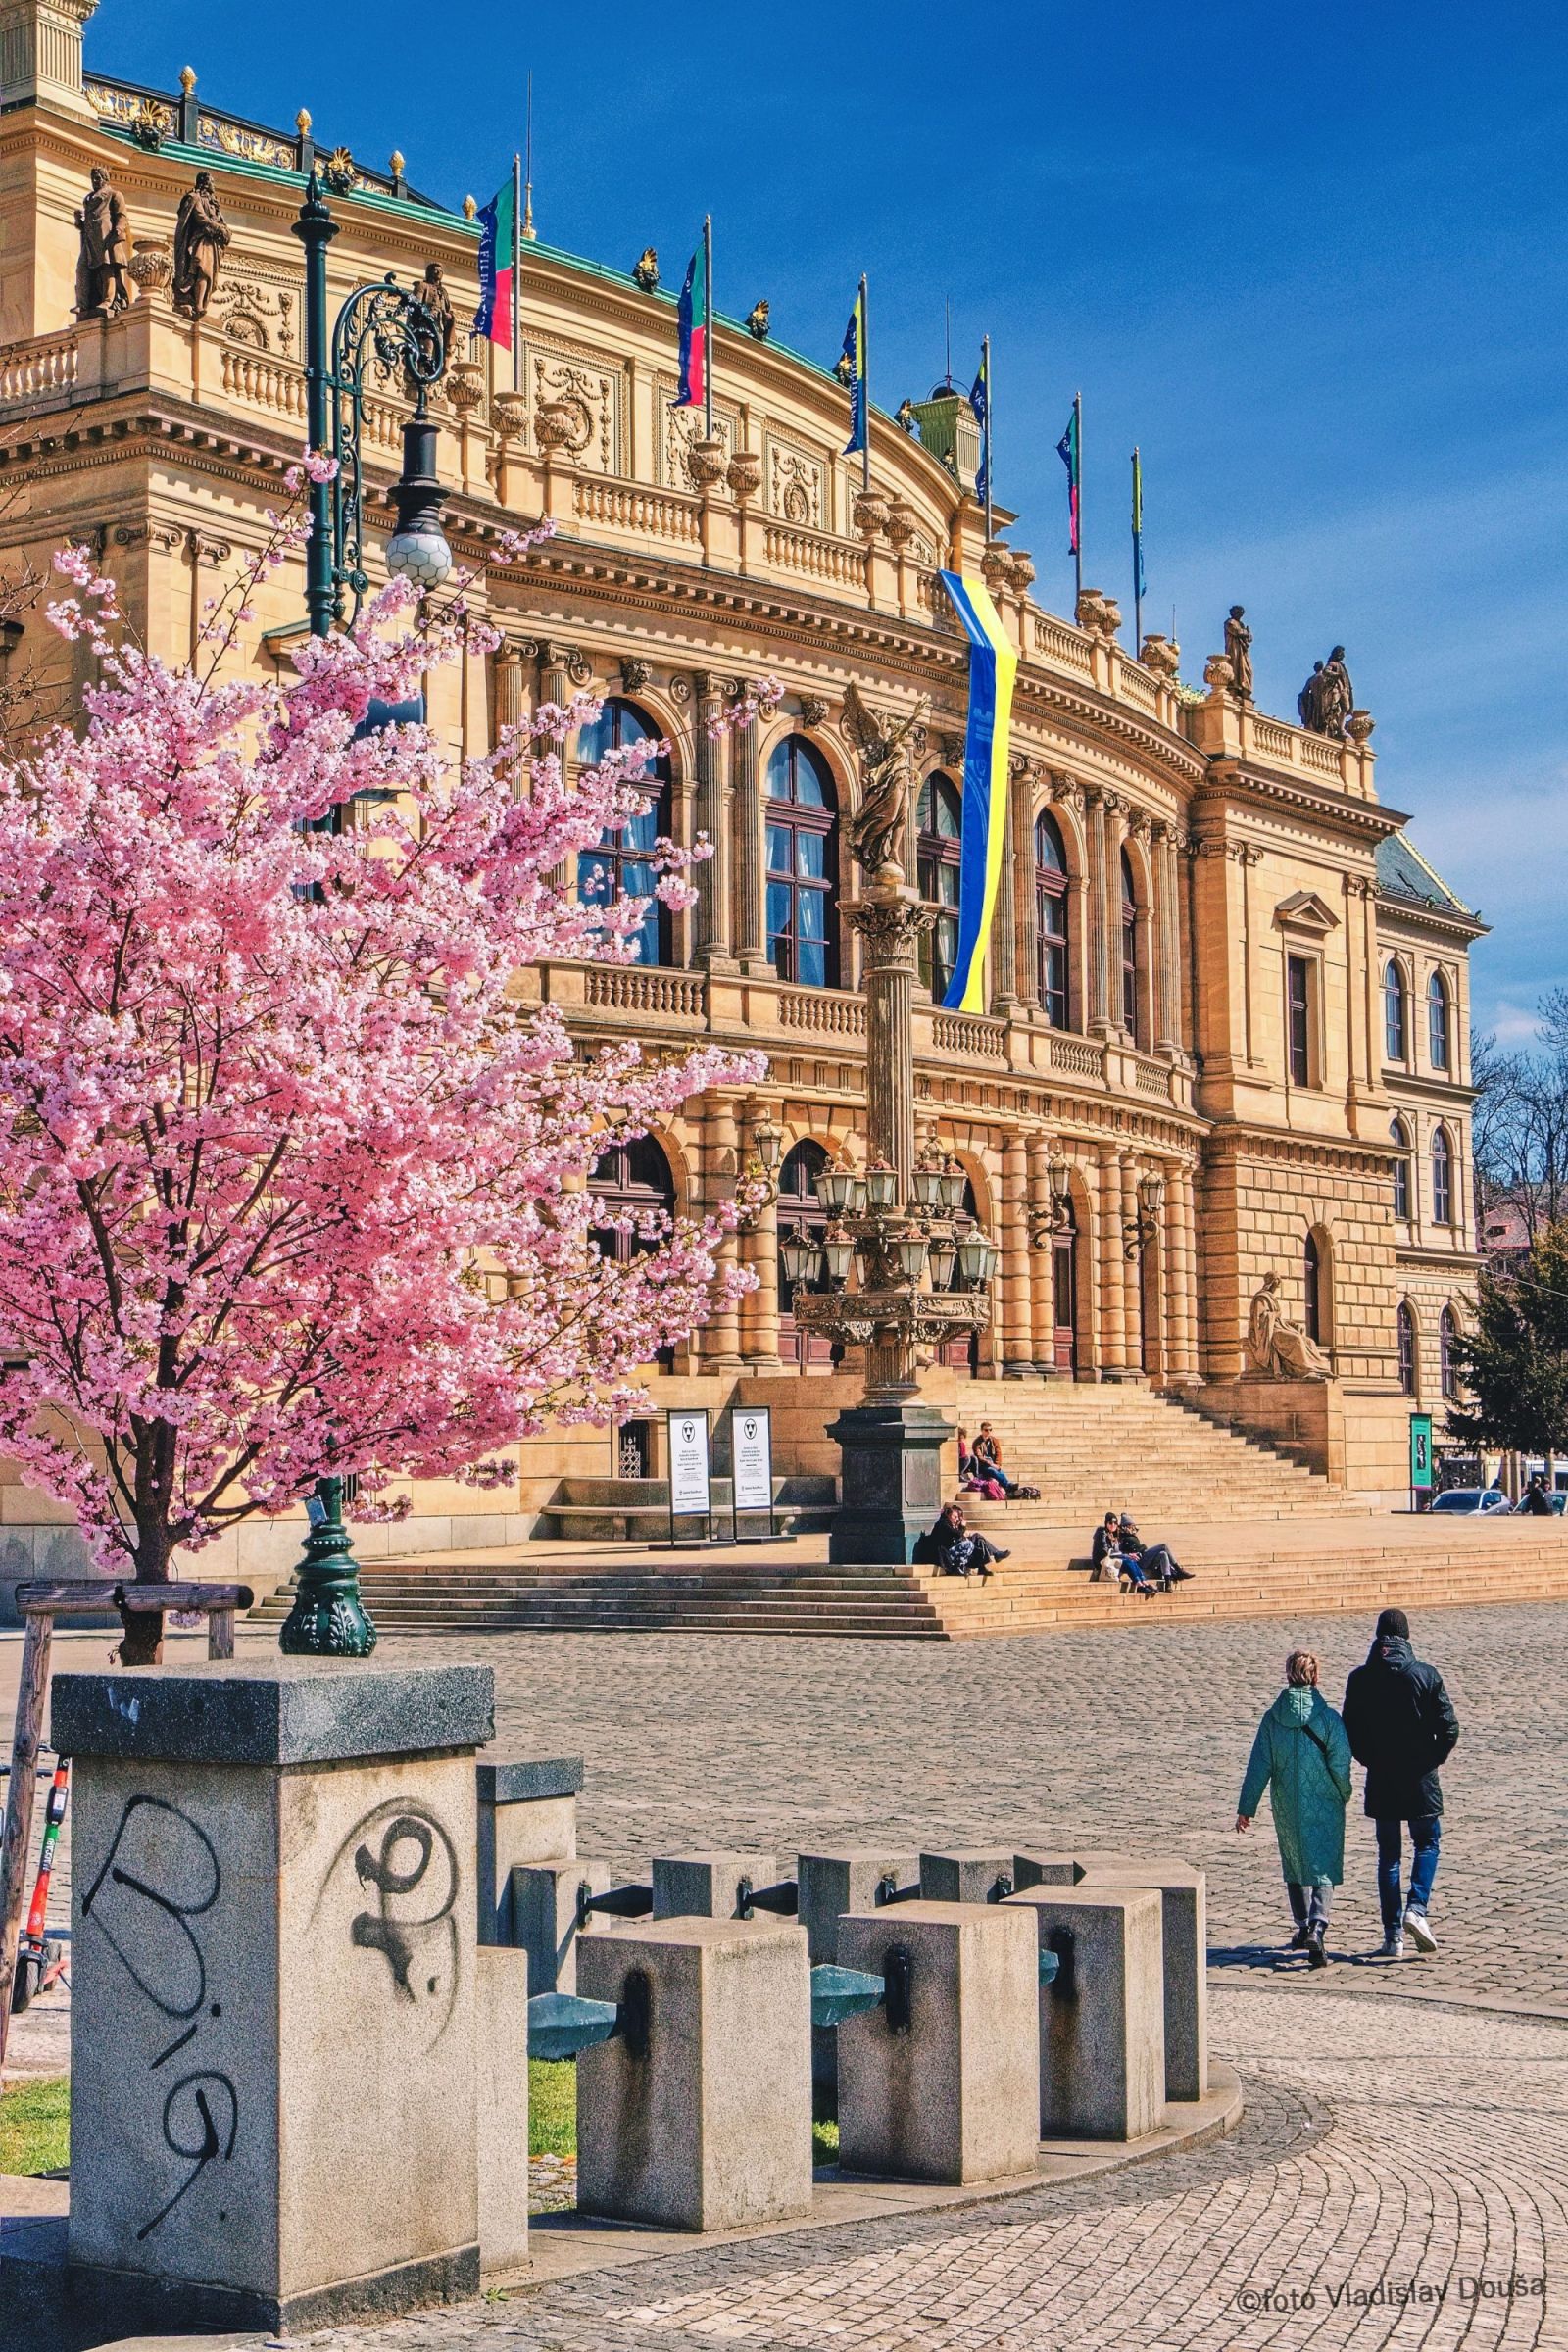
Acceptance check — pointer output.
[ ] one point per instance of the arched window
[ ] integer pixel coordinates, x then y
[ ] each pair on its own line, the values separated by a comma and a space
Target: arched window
800, 1211
1401, 1170
1404, 1324
1392, 1011
1437, 1021
1050, 919
1448, 1333
802, 864
620, 867
1442, 1178
1312, 1278
630, 1183
941, 813
1129, 950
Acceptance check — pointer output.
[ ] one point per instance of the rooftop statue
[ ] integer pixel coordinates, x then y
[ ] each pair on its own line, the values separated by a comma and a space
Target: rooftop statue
1239, 650
888, 747
101, 288
201, 239
1327, 698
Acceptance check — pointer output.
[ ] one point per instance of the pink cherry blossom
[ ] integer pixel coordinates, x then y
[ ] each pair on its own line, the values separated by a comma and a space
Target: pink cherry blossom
293, 1164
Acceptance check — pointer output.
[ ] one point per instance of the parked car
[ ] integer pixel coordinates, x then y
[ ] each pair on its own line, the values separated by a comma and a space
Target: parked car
1474, 1501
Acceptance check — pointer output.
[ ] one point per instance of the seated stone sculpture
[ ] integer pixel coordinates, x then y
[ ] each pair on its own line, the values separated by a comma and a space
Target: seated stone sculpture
1276, 1349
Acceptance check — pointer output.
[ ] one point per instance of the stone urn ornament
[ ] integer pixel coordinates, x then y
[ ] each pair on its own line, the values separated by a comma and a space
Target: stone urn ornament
151, 267
871, 512
510, 413
1358, 726
553, 424
745, 475
464, 384
705, 462
1023, 571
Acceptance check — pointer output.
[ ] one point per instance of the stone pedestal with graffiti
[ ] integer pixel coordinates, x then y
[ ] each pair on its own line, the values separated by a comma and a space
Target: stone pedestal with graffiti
274, 2098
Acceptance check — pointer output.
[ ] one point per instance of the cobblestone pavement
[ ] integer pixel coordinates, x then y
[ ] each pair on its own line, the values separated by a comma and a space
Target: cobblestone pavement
1398, 2180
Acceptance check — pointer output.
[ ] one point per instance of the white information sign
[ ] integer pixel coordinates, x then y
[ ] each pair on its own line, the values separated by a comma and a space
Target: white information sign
688, 1465
752, 1447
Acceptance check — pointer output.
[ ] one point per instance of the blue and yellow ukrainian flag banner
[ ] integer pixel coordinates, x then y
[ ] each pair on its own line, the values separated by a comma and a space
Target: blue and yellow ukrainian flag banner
993, 667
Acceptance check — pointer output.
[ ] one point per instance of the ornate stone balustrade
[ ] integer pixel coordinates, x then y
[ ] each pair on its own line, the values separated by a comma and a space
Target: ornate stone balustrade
822, 1012
840, 561
264, 383
1074, 1057
629, 508
1135, 685
644, 988
971, 1037
1062, 644
38, 371
1152, 1078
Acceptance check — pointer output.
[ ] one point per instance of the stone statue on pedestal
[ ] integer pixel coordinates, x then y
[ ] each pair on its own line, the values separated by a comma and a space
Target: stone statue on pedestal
888, 747
1239, 652
201, 239
1327, 698
1275, 1348
439, 302
101, 288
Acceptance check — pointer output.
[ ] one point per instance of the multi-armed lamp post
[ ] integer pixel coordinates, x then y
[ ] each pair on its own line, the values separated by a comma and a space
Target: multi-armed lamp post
386, 327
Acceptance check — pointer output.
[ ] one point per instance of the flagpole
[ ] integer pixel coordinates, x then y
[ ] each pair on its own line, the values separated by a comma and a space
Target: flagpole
528, 229
1138, 558
1078, 552
865, 384
991, 447
517, 273
707, 330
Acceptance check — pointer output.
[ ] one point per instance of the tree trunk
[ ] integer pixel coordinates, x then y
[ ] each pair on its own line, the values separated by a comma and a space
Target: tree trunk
143, 1642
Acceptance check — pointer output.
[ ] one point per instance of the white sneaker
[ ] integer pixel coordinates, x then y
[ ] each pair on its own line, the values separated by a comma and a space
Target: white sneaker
1420, 1935
1391, 1948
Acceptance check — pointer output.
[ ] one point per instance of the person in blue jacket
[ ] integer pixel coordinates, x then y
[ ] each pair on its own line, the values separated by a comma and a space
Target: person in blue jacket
1302, 1755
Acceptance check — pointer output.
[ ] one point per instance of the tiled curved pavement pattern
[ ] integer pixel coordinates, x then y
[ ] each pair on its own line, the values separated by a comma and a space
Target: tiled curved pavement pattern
1394, 2144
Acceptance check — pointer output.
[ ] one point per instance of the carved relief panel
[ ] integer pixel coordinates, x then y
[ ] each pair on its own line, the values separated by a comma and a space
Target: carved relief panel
589, 391
680, 429
797, 485
257, 304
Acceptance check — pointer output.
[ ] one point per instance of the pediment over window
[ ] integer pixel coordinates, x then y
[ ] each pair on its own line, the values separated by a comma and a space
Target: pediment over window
1304, 910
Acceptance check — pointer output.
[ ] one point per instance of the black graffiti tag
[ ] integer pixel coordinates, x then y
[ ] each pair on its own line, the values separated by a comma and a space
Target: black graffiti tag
413, 1871
201, 2119
160, 1874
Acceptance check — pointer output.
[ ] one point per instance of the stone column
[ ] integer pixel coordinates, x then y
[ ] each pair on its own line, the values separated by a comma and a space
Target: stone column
1113, 1299
509, 712
1097, 947
554, 686
718, 1343
1110, 921
1044, 1262
1018, 1349
760, 1252
1026, 943
746, 824
1132, 1267
1167, 989
1004, 927
711, 928
1187, 1275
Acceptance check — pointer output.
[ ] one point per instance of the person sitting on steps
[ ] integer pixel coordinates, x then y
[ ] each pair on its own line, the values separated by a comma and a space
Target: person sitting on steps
1105, 1551
973, 1475
957, 1549
1156, 1559
988, 1459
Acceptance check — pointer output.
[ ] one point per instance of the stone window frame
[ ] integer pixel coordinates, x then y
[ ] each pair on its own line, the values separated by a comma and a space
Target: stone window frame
1407, 1350
1440, 1026
1400, 1137
936, 849
1443, 1157
1395, 991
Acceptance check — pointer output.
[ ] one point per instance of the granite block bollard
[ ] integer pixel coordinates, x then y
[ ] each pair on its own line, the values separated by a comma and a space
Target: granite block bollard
1102, 2037
528, 1813
709, 1885
546, 1916
697, 2113
1183, 1902
942, 2083
275, 2103
968, 1874
830, 1885
501, 2030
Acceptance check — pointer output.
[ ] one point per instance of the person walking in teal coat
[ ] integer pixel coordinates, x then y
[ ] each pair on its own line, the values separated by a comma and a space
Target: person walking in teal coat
1302, 1755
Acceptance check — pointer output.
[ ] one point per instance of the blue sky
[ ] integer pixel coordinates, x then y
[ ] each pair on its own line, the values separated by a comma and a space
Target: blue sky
1314, 261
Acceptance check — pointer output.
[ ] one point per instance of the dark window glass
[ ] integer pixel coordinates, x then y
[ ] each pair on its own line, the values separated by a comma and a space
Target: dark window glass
1298, 1008
1437, 1022
801, 1211
1406, 1332
621, 866
1312, 1274
1393, 1012
1050, 919
1128, 951
1442, 1178
802, 865
1401, 1170
938, 850
1448, 1333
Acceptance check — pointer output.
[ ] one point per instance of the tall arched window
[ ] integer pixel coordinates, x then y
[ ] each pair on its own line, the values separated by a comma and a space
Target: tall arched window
620, 867
631, 1183
1312, 1278
800, 1211
1441, 1178
941, 814
1050, 919
1448, 1333
802, 864
1437, 1021
1401, 1170
1392, 1011
1129, 950
1404, 1325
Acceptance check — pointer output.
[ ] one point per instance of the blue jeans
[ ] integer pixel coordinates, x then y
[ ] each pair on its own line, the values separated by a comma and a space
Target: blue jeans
1426, 1835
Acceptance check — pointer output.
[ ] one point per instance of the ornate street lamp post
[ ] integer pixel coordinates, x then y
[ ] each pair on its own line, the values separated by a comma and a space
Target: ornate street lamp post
386, 327
923, 1271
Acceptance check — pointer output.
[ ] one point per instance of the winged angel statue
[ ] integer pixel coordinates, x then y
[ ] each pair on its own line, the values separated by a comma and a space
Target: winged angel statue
887, 745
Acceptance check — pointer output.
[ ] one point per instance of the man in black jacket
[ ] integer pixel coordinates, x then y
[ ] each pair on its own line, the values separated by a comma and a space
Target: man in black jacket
1402, 1727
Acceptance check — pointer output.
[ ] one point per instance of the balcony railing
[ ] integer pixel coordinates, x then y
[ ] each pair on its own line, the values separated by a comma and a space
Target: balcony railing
40, 371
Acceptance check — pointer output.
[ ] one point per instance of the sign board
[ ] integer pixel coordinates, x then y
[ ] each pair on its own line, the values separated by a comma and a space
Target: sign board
1421, 1471
752, 1453
688, 1465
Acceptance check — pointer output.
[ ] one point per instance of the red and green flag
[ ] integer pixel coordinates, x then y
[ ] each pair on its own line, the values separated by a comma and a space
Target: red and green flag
693, 316
498, 264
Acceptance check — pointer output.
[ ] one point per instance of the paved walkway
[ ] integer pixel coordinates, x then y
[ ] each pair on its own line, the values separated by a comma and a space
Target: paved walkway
1398, 2136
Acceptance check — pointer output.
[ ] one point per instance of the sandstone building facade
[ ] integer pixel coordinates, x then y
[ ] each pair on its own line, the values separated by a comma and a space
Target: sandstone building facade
1218, 960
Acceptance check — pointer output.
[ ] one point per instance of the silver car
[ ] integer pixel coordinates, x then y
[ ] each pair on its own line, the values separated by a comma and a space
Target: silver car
1474, 1501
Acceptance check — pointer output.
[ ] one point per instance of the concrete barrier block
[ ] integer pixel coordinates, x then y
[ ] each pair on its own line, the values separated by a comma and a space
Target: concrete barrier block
830, 1884
1102, 2022
953, 2095
702, 2120
501, 2030
1184, 1893
542, 1913
528, 1813
968, 1874
707, 1885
